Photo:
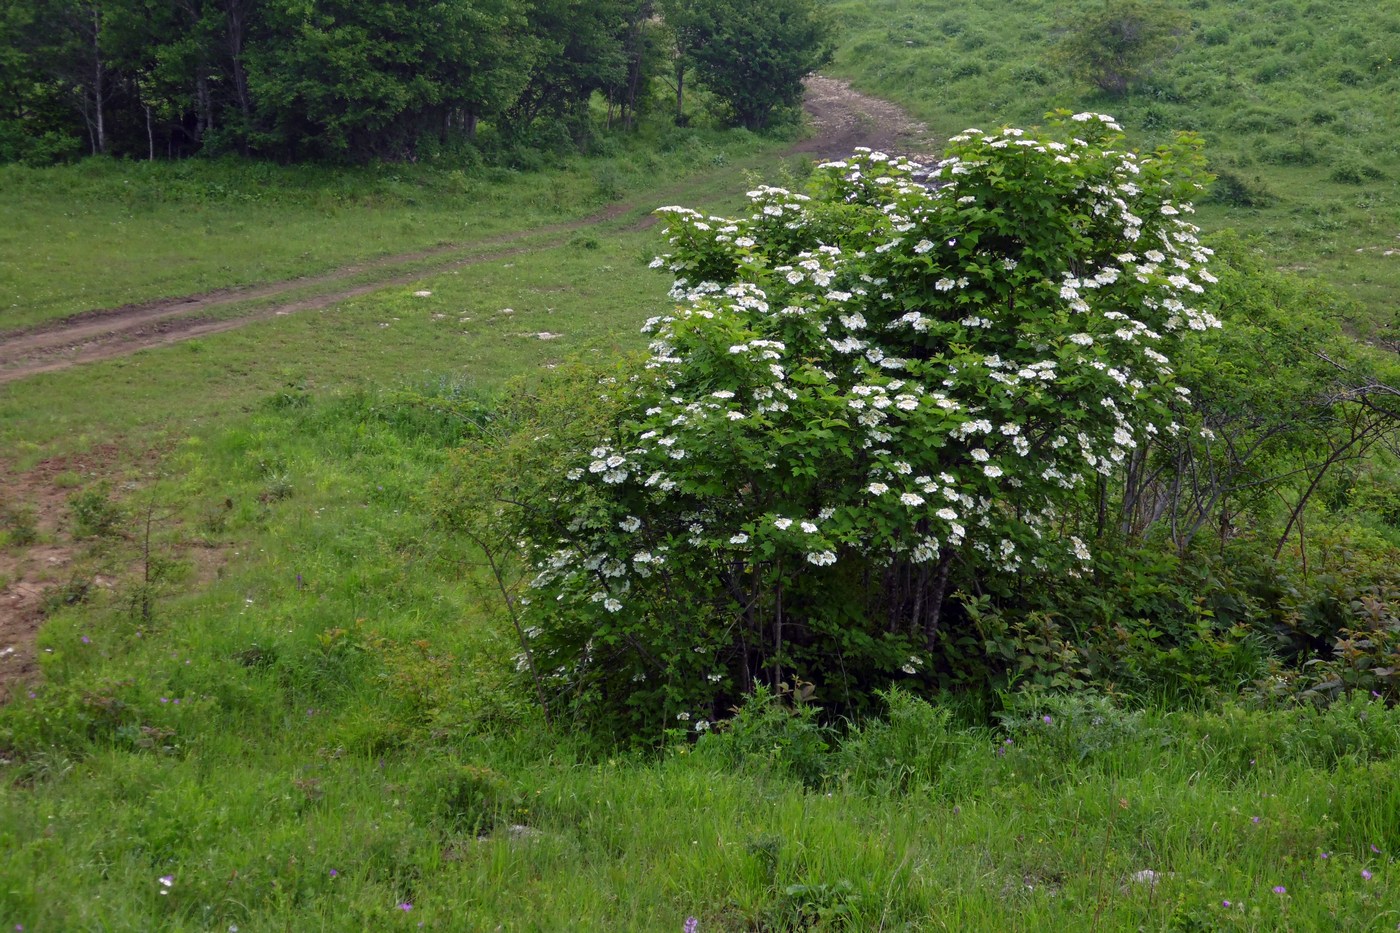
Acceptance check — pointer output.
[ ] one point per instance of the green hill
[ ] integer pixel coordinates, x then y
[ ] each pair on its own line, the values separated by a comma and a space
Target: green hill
1299, 104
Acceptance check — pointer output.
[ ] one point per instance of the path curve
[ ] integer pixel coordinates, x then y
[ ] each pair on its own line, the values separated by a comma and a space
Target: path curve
842, 118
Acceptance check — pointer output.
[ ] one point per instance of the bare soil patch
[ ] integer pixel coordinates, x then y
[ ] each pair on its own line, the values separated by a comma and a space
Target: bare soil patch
843, 118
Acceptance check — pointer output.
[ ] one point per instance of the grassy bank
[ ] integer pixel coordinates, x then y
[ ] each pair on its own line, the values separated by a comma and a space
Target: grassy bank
1297, 103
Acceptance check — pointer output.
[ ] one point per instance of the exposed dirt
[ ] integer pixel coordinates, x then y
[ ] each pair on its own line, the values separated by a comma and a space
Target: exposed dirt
841, 117
28, 574
844, 118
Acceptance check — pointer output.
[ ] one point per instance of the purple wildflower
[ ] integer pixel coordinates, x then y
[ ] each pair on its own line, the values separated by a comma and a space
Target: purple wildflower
1366, 874
1254, 819
1374, 849
1046, 719
1327, 855
1280, 889
691, 925
405, 907
1224, 903
334, 873
86, 640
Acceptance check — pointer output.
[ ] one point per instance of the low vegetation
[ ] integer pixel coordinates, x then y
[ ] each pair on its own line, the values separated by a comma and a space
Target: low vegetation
1004, 554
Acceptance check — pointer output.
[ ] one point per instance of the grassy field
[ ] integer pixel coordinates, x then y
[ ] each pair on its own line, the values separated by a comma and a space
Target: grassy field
326, 727
1298, 103
100, 233
291, 704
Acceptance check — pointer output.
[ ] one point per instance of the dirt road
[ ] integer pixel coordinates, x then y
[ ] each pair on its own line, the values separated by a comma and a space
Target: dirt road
841, 118
31, 576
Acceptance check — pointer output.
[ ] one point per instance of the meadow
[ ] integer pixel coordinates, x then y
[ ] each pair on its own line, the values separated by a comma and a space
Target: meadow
309, 717
274, 693
1297, 103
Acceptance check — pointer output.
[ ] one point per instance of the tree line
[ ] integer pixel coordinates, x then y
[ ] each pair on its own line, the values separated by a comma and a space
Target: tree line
350, 79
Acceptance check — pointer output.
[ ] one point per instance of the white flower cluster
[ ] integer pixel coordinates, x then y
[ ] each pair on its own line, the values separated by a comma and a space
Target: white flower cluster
898, 391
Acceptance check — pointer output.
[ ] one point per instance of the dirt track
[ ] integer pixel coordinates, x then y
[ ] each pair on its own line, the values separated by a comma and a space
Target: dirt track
841, 118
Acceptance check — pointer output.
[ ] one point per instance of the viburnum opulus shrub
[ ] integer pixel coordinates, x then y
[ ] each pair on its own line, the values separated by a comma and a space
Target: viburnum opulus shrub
866, 397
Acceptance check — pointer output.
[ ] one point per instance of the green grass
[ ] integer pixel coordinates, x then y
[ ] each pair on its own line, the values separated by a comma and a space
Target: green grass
351, 734
593, 293
102, 233
1297, 102
347, 704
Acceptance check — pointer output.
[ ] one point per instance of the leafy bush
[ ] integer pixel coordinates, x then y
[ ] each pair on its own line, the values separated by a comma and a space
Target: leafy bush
1237, 191
19, 524
95, 514
862, 387
1118, 44
776, 730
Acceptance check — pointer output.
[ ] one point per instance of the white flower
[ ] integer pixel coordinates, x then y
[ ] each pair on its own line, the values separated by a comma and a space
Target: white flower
822, 558
878, 489
683, 717
923, 246
740, 538
630, 524
809, 528
948, 515
423, 294
992, 470
612, 605
783, 524
911, 499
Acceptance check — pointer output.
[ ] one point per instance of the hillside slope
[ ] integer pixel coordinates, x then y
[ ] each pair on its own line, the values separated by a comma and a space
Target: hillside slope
1299, 103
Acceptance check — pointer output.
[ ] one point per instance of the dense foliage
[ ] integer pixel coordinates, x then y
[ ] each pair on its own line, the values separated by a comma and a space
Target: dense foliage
862, 389
752, 56
341, 78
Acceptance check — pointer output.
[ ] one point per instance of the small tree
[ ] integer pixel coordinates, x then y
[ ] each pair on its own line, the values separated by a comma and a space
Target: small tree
752, 56
867, 394
1118, 44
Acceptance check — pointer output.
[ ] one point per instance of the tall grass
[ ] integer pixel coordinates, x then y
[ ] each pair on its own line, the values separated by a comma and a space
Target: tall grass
331, 728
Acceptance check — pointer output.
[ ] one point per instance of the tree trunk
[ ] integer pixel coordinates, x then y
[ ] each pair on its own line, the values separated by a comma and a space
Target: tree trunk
205, 104
99, 87
936, 599
680, 93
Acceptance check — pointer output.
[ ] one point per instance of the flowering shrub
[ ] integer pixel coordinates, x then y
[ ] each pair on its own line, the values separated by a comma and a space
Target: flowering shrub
905, 373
